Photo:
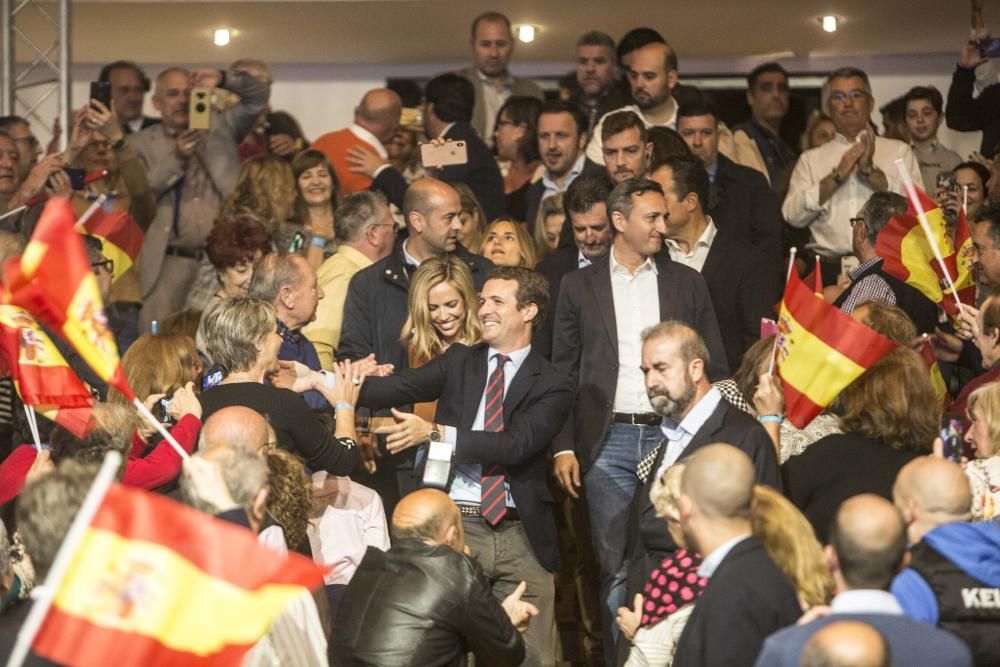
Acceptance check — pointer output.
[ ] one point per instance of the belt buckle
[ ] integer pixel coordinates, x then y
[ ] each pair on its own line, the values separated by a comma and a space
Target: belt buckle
632, 417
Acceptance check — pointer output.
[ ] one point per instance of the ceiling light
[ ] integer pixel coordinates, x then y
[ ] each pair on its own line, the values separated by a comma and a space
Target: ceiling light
829, 23
221, 36
526, 33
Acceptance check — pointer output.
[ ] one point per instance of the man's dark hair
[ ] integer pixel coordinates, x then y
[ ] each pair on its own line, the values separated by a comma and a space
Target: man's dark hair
666, 143
491, 17
636, 38
766, 68
865, 565
586, 191
7, 123
895, 110
523, 110
562, 106
453, 97
929, 93
982, 171
95, 248
990, 214
596, 38
532, 287
879, 209
620, 199
689, 175
696, 106
105, 75
619, 122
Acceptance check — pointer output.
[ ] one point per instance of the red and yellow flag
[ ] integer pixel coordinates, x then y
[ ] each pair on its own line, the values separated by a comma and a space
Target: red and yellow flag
159, 584
53, 281
960, 266
41, 376
820, 350
121, 235
937, 380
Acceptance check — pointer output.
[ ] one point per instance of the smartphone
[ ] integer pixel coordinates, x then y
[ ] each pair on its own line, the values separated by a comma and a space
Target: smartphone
946, 181
200, 116
951, 436
448, 153
101, 91
160, 410
212, 378
990, 48
77, 177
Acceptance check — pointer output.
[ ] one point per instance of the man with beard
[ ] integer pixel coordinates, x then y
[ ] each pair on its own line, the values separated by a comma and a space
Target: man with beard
627, 149
767, 95
598, 89
674, 364
652, 75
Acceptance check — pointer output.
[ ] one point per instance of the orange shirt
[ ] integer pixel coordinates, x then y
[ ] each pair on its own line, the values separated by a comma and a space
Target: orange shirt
335, 146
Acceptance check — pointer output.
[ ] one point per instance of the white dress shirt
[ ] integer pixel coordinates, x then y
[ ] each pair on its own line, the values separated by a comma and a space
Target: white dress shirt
595, 147
493, 98
637, 306
552, 188
829, 222
866, 601
679, 436
699, 252
714, 559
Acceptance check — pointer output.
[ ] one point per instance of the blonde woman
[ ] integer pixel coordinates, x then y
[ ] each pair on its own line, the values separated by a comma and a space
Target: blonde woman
506, 243
265, 189
549, 225
984, 437
472, 217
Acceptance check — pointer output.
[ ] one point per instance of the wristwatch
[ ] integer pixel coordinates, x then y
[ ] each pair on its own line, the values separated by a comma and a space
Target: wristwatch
434, 435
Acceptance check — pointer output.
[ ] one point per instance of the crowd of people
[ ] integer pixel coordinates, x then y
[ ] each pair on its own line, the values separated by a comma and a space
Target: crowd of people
520, 400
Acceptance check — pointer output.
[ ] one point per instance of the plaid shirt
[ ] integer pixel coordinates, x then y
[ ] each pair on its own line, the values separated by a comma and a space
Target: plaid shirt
870, 288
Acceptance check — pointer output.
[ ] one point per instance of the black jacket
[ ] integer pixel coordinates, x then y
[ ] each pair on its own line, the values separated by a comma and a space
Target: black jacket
376, 307
965, 114
553, 267
537, 190
535, 406
425, 605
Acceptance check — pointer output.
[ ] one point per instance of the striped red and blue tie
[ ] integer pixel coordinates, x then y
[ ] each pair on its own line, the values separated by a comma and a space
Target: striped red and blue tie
493, 503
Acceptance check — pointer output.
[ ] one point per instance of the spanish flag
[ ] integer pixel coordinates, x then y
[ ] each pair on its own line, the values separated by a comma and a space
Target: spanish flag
41, 376
121, 235
820, 350
159, 584
960, 266
906, 252
937, 380
52, 280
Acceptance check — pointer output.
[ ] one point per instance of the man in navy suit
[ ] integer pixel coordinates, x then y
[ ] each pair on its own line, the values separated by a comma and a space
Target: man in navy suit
867, 549
499, 382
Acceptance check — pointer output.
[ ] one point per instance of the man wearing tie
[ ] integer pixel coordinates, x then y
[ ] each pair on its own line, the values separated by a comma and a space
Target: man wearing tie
499, 406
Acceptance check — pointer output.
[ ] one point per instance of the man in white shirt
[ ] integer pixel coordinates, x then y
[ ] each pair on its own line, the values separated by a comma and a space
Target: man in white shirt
832, 182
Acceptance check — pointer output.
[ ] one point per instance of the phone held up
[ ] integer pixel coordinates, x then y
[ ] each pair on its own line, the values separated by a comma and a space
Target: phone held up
101, 91
951, 436
444, 155
200, 114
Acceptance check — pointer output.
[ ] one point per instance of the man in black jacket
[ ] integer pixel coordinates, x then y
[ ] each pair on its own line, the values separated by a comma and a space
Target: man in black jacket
424, 602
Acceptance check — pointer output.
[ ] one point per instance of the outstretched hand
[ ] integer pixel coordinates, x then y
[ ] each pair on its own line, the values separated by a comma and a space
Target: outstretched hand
519, 611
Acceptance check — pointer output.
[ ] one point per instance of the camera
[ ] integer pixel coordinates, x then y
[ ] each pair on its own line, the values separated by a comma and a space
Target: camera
200, 114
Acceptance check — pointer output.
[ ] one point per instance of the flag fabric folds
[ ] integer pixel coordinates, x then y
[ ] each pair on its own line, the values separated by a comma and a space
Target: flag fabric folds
53, 281
960, 265
820, 350
121, 235
159, 584
41, 376
934, 371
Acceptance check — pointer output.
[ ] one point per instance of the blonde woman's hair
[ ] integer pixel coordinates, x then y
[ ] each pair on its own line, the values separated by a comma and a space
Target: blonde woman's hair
418, 333
665, 492
289, 499
790, 541
550, 206
987, 400
158, 364
264, 182
469, 203
231, 329
529, 257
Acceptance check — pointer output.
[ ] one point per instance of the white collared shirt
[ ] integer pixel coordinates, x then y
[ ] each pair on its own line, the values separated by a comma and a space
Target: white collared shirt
552, 188
444, 131
494, 97
699, 252
408, 258
466, 488
829, 223
370, 139
679, 436
637, 306
582, 261
714, 559
595, 147
866, 601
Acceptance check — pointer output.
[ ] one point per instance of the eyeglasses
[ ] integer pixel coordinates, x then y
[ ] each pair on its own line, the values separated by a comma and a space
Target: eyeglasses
856, 220
854, 95
395, 229
108, 264
504, 121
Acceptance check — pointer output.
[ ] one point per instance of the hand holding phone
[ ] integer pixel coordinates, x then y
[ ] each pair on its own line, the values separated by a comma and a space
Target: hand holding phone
101, 91
951, 437
443, 154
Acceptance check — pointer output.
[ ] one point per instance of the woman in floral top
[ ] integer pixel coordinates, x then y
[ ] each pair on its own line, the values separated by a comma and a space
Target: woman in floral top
984, 436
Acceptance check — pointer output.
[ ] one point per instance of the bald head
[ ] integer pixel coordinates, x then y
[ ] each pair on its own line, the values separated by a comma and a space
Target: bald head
379, 113
235, 427
846, 644
719, 480
934, 487
426, 514
869, 540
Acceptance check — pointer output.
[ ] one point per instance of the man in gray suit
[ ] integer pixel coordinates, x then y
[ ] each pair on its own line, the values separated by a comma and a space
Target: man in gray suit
190, 172
492, 46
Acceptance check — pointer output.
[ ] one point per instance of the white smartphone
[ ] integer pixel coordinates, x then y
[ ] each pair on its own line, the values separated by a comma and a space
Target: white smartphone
448, 153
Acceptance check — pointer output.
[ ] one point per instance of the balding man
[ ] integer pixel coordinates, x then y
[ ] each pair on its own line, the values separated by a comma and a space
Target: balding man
238, 427
190, 173
424, 602
848, 644
747, 596
376, 119
867, 549
954, 572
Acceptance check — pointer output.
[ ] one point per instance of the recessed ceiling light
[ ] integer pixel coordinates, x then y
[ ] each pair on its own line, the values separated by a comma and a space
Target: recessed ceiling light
221, 36
829, 23
526, 33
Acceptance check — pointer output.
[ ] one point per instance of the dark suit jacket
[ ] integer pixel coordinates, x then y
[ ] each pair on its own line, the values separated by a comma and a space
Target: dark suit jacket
535, 406
648, 540
742, 292
742, 204
553, 267
910, 642
537, 191
585, 342
746, 599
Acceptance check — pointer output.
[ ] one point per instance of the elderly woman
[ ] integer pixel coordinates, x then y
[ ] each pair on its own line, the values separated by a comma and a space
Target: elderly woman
983, 436
242, 338
233, 245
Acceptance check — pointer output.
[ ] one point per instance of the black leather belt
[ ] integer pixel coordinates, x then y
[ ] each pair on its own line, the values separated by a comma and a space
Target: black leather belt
475, 511
637, 419
187, 253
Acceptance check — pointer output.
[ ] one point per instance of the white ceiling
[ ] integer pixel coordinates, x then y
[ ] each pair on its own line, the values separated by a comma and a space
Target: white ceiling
424, 31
